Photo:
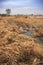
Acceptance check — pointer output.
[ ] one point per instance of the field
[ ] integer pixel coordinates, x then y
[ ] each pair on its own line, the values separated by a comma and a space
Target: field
21, 40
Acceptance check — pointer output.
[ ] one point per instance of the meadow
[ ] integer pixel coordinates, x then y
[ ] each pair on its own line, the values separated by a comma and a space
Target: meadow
21, 40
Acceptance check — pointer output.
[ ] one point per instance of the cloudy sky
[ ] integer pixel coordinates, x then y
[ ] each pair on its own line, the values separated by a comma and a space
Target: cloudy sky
22, 6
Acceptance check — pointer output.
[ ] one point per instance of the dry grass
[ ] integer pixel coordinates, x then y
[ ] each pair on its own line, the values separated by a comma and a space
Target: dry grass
16, 48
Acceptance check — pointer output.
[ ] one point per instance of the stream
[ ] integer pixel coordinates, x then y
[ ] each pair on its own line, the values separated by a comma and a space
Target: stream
28, 33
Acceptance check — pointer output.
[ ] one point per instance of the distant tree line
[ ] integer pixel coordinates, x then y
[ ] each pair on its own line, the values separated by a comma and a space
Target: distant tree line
3, 15
8, 11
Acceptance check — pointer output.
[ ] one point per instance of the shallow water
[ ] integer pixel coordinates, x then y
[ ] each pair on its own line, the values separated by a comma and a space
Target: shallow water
28, 33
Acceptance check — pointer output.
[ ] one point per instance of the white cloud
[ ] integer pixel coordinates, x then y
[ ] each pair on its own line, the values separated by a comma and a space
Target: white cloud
23, 10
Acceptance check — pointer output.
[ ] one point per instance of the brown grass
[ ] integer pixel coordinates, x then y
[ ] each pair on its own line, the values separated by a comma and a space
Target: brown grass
16, 48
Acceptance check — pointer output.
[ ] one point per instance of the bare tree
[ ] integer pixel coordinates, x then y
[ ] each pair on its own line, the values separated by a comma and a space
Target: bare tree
8, 11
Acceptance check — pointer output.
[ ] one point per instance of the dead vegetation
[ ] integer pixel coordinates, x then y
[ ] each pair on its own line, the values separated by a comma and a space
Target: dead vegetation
16, 48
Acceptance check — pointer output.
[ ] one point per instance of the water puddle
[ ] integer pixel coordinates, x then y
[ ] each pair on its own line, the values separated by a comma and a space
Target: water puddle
22, 29
38, 40
28, 33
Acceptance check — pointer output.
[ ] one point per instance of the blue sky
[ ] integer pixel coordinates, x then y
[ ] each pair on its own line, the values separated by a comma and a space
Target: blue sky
22, 6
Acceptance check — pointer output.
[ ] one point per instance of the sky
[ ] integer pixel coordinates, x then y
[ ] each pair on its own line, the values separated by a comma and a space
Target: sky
22, 6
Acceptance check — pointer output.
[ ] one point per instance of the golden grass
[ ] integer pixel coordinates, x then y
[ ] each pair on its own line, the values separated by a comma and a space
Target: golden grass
16, 48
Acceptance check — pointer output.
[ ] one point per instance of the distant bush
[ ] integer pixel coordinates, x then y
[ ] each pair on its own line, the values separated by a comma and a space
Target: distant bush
3, 15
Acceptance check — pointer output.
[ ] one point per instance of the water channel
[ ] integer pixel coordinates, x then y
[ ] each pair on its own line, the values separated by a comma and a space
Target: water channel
28, 33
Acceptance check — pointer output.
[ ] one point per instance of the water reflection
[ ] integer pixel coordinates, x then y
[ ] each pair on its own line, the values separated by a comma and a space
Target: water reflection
28, 33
